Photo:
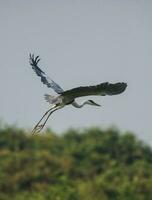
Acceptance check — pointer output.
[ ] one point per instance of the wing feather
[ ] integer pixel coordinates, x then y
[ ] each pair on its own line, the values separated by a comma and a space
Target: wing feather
44, 78
101, 89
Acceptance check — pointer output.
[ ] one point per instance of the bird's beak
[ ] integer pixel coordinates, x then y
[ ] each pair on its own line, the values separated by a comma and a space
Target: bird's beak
95, 104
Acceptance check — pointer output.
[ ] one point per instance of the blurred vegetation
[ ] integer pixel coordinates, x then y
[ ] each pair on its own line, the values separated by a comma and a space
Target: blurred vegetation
89, 164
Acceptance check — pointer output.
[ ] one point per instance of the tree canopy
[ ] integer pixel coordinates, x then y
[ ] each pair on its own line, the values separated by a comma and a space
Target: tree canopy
76, 165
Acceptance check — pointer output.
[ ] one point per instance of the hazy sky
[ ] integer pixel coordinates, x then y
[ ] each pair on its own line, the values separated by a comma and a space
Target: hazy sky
81, 42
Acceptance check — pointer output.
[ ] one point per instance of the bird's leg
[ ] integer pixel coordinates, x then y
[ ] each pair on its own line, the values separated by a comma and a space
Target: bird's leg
42, 125
37, 125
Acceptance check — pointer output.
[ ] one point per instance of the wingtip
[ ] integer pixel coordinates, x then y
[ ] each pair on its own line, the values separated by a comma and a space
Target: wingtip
123, 86
34, 60
117, 88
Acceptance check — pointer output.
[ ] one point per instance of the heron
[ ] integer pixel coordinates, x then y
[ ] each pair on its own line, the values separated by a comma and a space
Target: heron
68, 97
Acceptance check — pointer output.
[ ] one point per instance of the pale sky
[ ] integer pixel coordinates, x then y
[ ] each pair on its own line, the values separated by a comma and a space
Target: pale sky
80, 42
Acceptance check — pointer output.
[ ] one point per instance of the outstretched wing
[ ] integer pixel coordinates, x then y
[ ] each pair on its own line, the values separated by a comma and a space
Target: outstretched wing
101, 89
44, 78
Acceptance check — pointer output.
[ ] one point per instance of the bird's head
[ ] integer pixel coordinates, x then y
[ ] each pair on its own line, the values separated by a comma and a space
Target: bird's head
90, 102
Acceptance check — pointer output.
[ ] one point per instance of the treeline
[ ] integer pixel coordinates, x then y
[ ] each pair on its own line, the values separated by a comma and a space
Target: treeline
89, 164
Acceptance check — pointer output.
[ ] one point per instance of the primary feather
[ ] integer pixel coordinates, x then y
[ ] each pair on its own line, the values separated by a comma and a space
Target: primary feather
44, 78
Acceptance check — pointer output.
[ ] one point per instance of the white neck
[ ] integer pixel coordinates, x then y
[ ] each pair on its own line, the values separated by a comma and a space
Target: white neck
75, 104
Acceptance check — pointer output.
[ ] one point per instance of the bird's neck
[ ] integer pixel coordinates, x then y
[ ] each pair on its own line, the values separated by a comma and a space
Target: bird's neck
75, 104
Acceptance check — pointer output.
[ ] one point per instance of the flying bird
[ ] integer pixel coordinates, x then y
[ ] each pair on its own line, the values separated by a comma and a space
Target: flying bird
67, 97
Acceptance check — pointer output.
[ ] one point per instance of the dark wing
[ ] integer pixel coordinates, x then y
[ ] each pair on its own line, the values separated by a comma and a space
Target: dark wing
101, 89
44, 78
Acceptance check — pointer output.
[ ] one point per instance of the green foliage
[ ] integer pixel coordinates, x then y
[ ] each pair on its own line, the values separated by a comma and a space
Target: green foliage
86, 164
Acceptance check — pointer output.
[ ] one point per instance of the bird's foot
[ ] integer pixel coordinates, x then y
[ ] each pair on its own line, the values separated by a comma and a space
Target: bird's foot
37, 129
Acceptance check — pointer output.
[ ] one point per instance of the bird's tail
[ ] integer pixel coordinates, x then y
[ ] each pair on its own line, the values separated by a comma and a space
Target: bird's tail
49, 98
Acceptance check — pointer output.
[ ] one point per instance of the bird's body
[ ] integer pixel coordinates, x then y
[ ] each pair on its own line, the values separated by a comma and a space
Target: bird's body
68, 97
